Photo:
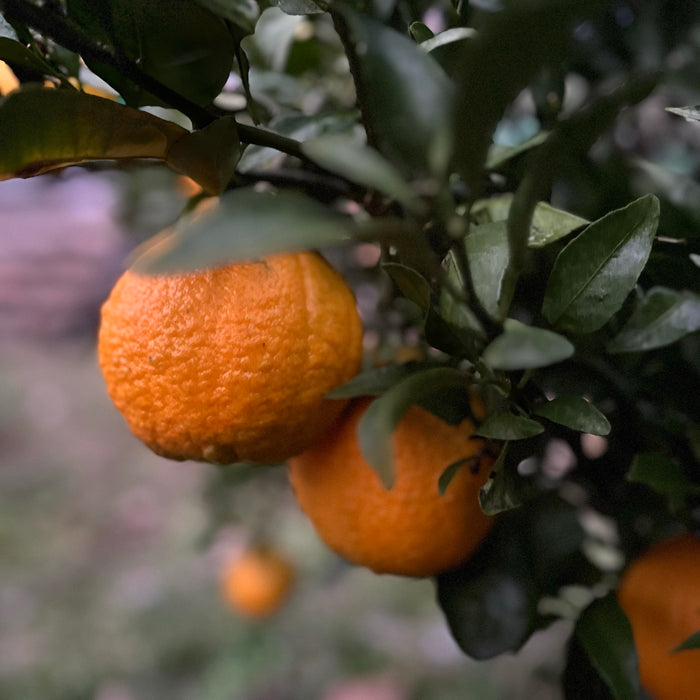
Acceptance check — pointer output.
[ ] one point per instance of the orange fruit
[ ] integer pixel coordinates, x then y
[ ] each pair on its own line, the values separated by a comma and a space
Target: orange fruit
8, 80
411, 529
660, 593
257, 582
231, 364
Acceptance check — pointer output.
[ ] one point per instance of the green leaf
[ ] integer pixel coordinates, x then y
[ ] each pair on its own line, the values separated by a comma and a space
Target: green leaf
300, 127
596, 271
420, 31
16, 54
453, 309
548, 225
405, 96
243, 13
449, 473
507, 426
449, 36
526, 347
490, 78
572, 137
44, 129
663, 475
499, 156
208, 156
376, 381
448, 46
490, 603
692, 642
604, 633
502, 492
663, 317
301, 7
343, 155
487, 254
189, 50
411, 284
576, 413
383, 415
246, 224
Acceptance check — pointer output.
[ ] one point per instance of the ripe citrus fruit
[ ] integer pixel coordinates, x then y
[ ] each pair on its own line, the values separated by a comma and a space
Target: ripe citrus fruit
660, 593
411, 529
232, 363
257, 582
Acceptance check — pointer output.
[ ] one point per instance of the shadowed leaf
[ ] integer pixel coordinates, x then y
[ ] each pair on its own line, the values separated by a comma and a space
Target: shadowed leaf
596, 271
45, 129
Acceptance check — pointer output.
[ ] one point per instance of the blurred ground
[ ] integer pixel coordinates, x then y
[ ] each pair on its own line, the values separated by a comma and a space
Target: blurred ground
108, 572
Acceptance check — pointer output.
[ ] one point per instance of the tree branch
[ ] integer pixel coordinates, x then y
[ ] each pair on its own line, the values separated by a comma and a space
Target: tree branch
65, 32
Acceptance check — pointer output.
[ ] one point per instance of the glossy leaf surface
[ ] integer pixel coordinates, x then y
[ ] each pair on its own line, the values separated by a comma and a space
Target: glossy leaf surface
45, 129
596, 271
526, 347
662, 317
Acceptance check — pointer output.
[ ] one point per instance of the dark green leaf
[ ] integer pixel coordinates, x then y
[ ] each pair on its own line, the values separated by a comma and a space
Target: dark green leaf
420, 32
405, 96
502, 492
344, 156
663, 475
679, 192
411, 284
606, 636
246, 224
571, 138
16, 54
507, 426
376, 381
189, 50
662, 317
453, 309
448, 46
300, 127
208, 156
456, 340
596, 271
498, 155
692, 642
449, 36
491, 603
576, 413
383, 415
526, 347
449, 474
301, 7
44, 129
548, 225
243, 13
487, 255
535, 34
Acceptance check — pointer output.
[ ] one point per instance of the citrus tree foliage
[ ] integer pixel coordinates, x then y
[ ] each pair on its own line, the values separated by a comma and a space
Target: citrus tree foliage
495, 152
